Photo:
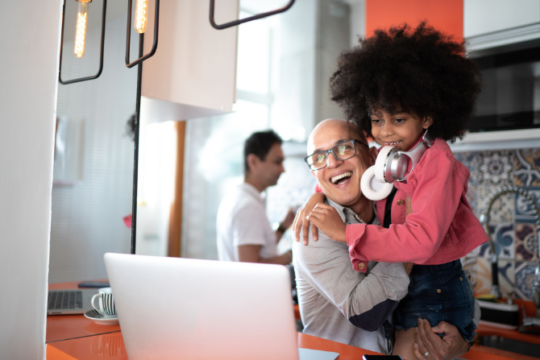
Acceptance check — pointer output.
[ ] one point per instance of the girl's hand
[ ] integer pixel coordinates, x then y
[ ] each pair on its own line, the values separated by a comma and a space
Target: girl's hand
327, 219
301, 223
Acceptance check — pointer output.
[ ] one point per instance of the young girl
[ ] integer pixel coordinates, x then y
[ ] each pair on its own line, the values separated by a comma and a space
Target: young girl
395, 86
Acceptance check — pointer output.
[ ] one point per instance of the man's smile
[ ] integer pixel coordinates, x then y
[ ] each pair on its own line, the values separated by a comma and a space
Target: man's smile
341, 177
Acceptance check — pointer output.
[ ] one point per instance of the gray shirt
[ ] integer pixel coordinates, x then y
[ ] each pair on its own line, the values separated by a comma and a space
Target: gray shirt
339, 303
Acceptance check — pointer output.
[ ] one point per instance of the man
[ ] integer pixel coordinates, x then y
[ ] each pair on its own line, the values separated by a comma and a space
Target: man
243, 230
337, 302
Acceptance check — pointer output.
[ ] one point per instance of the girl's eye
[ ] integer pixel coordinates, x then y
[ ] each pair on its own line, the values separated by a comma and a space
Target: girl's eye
376, 121
399, 121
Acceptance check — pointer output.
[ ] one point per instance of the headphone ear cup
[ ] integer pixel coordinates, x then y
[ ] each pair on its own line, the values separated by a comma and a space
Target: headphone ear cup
372, 188
380, 163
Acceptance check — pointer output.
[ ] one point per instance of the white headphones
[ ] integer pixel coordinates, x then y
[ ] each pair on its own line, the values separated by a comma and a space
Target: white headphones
391, 165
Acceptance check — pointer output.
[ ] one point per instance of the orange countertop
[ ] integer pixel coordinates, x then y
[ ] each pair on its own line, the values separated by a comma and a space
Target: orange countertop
479, 352
486, 330
112, 345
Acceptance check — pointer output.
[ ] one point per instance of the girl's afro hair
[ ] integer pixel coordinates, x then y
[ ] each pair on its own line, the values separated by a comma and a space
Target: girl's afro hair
421, 71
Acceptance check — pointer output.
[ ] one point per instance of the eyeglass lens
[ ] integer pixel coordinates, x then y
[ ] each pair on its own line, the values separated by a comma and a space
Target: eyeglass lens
342, 151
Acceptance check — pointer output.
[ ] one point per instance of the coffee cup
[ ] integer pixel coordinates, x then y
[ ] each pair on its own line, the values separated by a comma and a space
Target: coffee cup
103, 302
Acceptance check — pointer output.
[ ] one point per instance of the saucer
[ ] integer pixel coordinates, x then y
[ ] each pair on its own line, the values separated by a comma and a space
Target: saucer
101, 318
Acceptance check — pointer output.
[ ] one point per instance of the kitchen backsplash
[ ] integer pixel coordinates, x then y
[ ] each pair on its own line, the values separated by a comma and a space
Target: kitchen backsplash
512, 224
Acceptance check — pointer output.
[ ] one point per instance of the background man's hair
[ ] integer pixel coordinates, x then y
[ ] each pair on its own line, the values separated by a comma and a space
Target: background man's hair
259, 144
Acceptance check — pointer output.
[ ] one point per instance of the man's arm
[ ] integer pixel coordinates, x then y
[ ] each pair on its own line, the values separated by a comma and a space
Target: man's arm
250, 253
366, 301
285, 224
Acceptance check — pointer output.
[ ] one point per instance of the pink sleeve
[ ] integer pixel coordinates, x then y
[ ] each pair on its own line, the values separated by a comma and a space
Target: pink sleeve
434, 204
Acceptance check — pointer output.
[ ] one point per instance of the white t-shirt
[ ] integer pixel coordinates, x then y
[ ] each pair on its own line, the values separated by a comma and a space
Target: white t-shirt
241, 220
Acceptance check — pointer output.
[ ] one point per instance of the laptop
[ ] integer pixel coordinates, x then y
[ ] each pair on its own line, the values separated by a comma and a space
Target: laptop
69, 301
175, 308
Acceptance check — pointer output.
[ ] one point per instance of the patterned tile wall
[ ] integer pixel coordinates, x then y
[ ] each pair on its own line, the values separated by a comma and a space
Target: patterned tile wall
511, 220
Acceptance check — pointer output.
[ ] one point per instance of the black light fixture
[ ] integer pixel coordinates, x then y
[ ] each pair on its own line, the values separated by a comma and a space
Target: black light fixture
141, 22
80, 38
245, 20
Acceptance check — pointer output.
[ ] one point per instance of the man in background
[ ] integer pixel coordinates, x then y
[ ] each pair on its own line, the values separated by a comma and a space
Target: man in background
243, 230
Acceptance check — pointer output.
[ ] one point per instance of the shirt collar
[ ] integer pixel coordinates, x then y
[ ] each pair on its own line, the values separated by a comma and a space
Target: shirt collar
347, 215
252, 191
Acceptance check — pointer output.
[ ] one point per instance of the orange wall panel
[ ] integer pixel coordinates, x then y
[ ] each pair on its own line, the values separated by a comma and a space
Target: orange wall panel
444, 15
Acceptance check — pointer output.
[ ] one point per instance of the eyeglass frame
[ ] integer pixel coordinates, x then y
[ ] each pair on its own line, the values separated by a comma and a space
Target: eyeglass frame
331, 150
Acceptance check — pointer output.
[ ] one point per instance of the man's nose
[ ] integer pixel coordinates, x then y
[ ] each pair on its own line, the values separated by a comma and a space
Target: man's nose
332, 160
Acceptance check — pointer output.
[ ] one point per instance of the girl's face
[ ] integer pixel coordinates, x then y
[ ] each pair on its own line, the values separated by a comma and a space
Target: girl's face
400, 129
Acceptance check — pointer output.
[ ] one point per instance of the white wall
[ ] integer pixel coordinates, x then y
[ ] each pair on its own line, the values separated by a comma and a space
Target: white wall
28, 79
357, 18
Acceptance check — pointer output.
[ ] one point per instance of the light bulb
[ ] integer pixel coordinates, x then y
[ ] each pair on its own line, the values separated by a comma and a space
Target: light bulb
80, 29
141, 16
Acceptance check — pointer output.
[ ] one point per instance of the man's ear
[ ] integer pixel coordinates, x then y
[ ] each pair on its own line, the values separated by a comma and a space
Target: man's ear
428, 121
253, 160
373, 152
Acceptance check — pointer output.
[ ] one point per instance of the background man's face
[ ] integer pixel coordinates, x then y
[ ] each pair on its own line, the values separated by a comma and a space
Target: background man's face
271, 168
340, 179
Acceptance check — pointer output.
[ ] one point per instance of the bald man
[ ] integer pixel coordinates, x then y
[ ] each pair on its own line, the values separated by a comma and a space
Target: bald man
337, 302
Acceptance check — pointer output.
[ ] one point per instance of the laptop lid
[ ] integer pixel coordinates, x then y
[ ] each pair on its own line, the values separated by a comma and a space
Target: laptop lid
202, 309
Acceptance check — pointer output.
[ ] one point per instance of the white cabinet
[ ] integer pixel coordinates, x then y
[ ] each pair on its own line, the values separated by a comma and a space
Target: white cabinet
490, 23
487, 16
193, 72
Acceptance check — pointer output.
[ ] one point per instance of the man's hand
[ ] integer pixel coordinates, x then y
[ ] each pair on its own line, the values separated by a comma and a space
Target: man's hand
301, 223
327, 219
428, 342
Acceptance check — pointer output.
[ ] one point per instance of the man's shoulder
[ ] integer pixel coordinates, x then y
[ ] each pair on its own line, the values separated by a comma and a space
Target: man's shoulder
320, 250
238, 198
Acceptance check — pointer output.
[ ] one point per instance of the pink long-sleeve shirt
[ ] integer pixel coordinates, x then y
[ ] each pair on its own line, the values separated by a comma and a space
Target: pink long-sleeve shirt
441, 226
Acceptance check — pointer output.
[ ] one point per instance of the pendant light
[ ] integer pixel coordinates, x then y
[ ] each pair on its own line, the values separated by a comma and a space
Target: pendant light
80, 38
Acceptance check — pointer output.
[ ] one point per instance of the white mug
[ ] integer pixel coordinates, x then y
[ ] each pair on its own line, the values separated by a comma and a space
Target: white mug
105, 304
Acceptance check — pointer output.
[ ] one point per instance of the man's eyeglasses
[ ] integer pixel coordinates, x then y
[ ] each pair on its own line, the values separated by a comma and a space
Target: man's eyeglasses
342, 151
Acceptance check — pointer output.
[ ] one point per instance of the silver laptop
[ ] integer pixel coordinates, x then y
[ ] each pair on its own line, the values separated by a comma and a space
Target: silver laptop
69, 301
173, 308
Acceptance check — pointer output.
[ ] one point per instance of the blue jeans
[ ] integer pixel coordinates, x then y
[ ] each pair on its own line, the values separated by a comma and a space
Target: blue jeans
438, 293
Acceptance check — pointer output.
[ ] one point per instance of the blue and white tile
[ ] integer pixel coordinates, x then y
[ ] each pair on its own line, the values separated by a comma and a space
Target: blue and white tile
496, 167
482, 277
524, 210
525, 279
527, 167
503, 240
526, 241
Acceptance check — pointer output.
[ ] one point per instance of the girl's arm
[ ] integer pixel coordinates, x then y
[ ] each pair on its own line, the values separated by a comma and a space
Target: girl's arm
435, 201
